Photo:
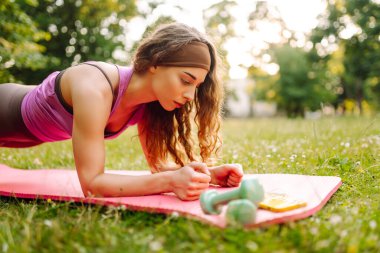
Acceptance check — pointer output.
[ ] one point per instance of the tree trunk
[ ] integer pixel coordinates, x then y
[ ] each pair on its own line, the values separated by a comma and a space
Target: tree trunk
359, 94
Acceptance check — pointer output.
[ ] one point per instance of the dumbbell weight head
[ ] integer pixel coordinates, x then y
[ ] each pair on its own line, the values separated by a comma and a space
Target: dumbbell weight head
207, 204
252, 190
241, 212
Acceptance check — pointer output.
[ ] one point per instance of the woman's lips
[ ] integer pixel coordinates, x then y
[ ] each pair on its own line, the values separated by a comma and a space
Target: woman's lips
178, 105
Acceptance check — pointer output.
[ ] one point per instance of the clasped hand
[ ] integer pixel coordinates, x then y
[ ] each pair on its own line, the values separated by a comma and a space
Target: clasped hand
192, 179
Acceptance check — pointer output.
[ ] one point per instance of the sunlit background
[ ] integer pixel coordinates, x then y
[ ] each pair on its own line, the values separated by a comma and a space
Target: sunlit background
299, 16
290, 58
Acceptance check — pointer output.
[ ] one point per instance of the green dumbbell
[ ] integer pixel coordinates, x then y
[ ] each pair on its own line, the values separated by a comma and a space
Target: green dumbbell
241, 212
250, 189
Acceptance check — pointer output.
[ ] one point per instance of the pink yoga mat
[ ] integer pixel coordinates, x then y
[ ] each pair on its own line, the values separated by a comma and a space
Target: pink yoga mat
63, 185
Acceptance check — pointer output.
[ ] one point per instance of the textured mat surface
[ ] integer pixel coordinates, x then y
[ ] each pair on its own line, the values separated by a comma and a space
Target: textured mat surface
64, 185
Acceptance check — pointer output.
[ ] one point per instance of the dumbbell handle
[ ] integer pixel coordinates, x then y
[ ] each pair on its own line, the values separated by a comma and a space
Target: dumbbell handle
223, 198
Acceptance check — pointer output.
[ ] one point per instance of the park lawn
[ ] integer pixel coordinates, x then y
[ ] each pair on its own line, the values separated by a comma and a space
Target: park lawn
347, 147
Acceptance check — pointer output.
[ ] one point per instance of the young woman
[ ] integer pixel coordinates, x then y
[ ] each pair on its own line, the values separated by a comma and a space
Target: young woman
173, 79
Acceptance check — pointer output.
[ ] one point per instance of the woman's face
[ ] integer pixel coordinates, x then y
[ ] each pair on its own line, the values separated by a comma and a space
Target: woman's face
174, 86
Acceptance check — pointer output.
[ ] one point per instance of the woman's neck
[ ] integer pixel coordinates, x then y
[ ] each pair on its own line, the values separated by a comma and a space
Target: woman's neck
139, 90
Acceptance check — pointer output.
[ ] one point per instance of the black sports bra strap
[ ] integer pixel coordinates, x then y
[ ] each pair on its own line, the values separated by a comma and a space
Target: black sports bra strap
104, 73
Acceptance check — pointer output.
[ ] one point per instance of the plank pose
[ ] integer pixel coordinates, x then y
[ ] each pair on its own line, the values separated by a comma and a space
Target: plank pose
173, 75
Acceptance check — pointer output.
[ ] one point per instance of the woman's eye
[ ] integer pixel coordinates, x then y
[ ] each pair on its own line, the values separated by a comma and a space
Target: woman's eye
186, 82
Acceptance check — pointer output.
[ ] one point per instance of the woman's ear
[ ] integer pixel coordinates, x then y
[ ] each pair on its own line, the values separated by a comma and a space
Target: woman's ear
152, 69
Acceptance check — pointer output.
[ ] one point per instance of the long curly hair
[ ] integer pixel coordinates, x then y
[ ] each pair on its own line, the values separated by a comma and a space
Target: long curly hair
169, 133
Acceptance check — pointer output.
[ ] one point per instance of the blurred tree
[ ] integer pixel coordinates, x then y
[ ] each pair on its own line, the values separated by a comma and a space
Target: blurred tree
80, 30
264, 86
268, 13
147, 13
354, 28
150, 28
300, 83
295, 90
19, 38
219, 27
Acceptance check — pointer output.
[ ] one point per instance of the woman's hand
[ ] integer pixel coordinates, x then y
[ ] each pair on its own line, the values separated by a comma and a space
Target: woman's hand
190, 181
227, 175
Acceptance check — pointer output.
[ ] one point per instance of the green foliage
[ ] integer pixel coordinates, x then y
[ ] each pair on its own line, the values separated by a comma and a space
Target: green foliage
297, 88
349, 222
300, 84
340, 67
264, 86
361, 54
294, 87
19, 40
78, 31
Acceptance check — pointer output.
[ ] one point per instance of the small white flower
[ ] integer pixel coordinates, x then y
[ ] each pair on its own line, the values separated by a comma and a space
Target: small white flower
48, 223
354, 210
372, 224
5, 247
322, 244
335, 219
252, 246
37, 161
155, 245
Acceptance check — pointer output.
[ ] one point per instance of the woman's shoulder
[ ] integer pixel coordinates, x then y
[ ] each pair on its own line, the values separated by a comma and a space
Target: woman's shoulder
109, 69
91, 73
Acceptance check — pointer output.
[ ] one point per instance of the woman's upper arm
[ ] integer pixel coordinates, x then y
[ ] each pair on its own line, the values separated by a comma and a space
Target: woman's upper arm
91, 106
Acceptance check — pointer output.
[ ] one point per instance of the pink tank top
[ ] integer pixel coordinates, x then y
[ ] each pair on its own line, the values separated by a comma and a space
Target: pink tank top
49, 121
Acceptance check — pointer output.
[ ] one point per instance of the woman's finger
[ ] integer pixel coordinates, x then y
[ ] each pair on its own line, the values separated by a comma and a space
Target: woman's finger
200, 167
198, 186
201, 178
238, 171
194, 194
233, 181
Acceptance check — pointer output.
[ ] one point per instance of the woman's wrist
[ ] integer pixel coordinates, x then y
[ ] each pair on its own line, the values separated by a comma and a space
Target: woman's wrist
212, 174
168, 178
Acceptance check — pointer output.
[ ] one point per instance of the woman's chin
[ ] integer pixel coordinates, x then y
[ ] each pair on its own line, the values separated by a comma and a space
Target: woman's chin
168, 108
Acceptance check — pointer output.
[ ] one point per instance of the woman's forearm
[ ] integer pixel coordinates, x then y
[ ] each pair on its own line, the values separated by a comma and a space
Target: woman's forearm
113, 185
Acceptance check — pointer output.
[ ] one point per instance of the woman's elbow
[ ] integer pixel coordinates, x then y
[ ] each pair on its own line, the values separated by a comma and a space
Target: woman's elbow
90, 188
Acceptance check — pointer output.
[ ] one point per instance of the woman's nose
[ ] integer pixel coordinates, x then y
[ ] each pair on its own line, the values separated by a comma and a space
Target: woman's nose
189, 94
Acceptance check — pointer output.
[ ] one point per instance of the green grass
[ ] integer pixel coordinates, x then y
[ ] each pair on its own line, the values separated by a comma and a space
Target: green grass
345, 147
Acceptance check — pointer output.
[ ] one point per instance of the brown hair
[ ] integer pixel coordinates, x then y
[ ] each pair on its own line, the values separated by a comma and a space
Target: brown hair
169, 132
